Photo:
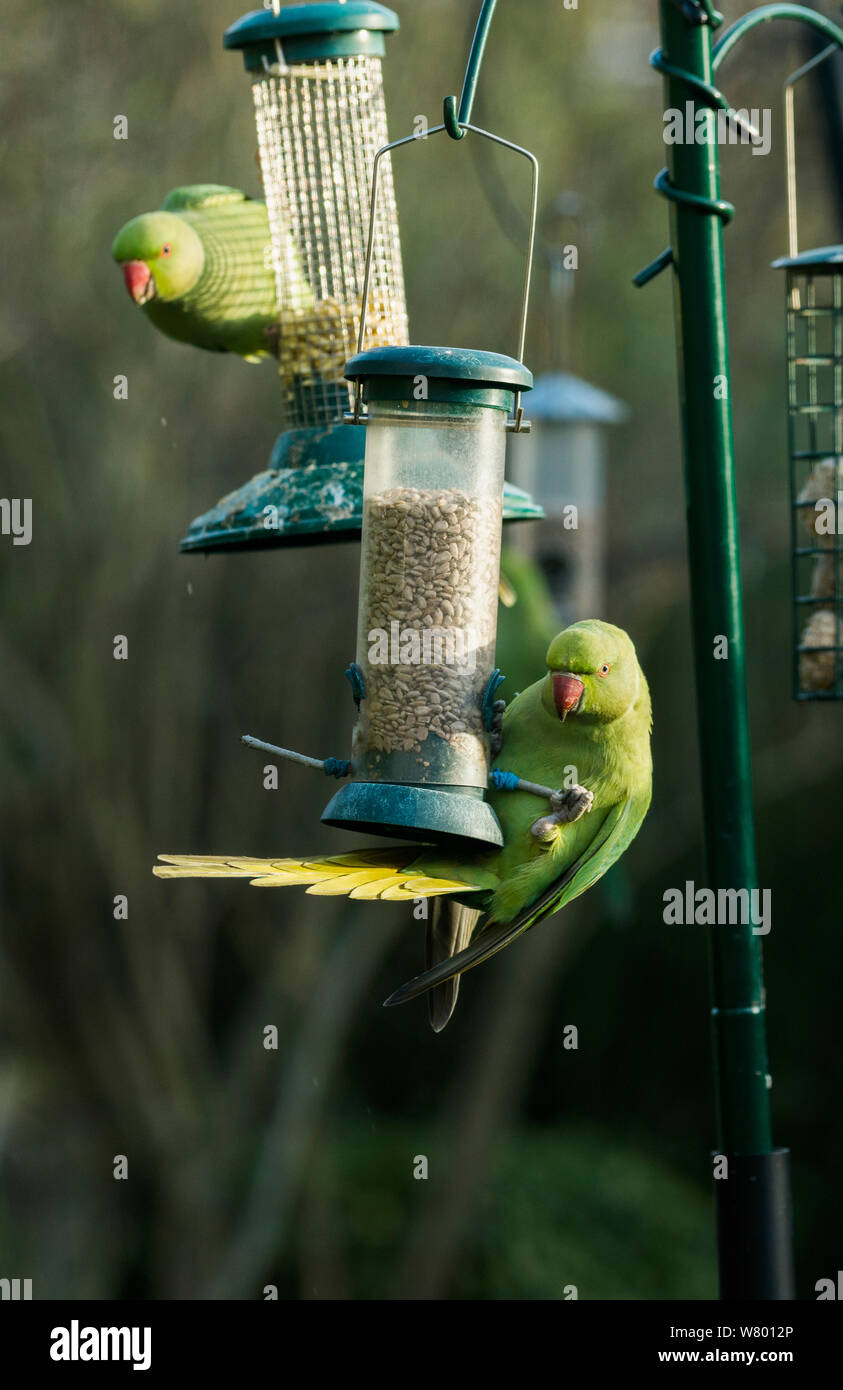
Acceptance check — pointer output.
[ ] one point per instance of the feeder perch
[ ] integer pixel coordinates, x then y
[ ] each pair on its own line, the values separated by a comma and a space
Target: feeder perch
562, 463
424, 675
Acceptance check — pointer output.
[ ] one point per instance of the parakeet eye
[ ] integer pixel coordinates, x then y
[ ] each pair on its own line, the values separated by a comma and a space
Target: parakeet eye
166, 249
604, 670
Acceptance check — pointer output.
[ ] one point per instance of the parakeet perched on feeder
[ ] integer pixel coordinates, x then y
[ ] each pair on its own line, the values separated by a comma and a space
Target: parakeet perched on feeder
584, 728
201, 269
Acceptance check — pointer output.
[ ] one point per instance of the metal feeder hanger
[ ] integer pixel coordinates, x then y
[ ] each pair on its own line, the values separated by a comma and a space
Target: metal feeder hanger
814, 299
317, 85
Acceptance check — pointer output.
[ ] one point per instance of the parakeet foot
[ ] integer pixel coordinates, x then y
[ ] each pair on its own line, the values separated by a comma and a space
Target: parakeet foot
569, 804
496, 735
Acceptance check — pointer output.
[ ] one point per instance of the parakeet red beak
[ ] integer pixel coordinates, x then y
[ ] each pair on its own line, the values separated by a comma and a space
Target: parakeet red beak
139, 281
567, 692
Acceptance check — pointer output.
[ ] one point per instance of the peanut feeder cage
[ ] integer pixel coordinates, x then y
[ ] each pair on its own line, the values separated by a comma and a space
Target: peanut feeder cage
815, 420
814, 300
317, 86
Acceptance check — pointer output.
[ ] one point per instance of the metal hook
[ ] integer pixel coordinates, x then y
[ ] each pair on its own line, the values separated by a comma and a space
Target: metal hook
517, 422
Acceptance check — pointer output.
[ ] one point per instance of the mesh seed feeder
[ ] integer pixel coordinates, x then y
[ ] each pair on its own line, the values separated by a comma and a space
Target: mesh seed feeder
317, 87
814, 310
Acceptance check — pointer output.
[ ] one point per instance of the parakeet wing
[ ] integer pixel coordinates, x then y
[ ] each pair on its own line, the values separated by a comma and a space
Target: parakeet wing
377, 873
617, 830
202, 195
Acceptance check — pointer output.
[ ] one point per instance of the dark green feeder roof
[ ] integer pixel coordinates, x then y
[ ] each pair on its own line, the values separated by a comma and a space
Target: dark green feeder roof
467, 365
825, 260
312, 493
313, 32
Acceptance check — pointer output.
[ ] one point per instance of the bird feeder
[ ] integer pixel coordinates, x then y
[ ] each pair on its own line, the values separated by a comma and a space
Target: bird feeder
562, 463
424, 676
814, 309
317, 86
815, 434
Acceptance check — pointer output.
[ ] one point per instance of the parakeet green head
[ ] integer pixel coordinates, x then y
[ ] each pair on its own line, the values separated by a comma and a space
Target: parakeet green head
161, 256
593, 673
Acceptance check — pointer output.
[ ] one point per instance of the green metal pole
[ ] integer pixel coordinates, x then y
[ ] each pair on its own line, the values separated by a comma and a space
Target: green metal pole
753, 1206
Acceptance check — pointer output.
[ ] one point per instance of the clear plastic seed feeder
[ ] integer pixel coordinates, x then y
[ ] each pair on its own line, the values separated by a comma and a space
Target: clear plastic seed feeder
317, 87
424, 678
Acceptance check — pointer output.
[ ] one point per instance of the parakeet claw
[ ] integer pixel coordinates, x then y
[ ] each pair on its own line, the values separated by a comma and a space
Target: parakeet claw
496, 735
568, 804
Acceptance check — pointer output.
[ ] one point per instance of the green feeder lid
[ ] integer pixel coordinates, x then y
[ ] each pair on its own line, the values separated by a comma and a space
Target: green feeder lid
476, 369
311, 493
311, 32
824, 260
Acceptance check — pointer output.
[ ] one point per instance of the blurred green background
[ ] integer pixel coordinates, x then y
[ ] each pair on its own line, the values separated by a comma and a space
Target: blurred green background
247, 1167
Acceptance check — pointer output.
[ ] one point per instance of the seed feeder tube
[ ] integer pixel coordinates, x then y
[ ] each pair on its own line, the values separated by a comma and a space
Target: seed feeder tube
427, 618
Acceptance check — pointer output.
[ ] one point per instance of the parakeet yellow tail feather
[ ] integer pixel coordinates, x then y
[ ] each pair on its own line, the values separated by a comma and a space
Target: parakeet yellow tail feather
375, 873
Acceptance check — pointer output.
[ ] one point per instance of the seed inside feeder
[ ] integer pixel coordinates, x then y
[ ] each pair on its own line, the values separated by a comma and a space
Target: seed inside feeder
428, 616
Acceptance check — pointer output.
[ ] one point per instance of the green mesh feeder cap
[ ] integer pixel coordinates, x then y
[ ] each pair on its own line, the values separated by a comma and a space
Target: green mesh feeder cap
311, 493
312, 33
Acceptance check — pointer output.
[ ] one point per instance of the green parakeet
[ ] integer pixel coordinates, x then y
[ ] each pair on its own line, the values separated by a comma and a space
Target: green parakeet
583, 728
201, 270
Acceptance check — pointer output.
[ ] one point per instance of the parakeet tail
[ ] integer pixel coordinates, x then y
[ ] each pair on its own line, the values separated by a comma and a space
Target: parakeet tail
449, 930
374, 873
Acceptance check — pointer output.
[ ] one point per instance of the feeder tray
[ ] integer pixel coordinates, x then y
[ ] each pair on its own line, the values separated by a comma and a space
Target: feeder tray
815, 420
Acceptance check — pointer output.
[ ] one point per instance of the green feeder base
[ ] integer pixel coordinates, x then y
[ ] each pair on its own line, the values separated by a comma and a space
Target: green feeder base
311, 493
409, 813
